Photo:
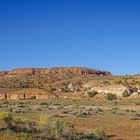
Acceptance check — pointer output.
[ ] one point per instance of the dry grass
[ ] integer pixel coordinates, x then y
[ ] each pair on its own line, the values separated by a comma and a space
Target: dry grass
114, 117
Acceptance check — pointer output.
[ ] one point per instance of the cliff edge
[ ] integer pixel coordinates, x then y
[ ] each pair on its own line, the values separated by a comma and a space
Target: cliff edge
57, 70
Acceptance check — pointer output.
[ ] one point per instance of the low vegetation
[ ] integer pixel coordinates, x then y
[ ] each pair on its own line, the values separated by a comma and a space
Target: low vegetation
49, 128
100, 133
60, 118
125, 94
73, 111
92, 93
111, 96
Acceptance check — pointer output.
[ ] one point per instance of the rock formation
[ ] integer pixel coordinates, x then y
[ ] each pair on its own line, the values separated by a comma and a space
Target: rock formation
27, 94
40, 83
2, 73
58, 70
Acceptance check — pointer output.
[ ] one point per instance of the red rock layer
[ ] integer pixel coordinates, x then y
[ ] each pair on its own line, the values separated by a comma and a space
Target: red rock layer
61, 70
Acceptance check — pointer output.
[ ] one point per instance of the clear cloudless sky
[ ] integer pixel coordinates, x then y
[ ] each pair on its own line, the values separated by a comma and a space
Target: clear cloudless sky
101, 34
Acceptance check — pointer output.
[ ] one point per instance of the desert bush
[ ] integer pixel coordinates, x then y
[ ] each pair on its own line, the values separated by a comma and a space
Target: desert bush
58, 128
17, 125
100, 133
125, 94
24, 84
111, 96
39, 85
6, 118
44, 119
65, 89
92, 93
44, 103
53, 89
82, 111
134, 118
24, 126
54, 128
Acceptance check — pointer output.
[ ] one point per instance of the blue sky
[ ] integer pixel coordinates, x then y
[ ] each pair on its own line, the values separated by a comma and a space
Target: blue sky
101, 34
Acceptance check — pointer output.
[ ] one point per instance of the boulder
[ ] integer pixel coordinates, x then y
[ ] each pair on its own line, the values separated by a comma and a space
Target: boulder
71, 87
75, 86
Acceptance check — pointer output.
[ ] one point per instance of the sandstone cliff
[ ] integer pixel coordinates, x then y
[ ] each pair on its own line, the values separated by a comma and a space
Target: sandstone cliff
45, 83
58, 70
27, 94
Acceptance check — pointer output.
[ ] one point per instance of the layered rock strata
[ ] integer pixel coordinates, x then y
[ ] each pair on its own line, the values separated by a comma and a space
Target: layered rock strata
57, 70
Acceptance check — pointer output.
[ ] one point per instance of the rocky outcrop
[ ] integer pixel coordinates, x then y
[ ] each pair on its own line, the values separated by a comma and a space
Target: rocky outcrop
25, 83
57, 70
27, 94
74, 87
2, 73
117, 89
21, 72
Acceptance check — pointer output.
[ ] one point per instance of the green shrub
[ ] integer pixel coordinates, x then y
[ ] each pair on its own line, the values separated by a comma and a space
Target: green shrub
100, 133
65, 89
92, 93
44, 103
111, 96
56, 128
52, 128
26, 126
39, 86
7, 118
17, 125
44, 119
125, 94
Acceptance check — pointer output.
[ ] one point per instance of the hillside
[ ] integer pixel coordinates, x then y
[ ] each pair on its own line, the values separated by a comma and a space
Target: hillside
64, 82
94, 100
